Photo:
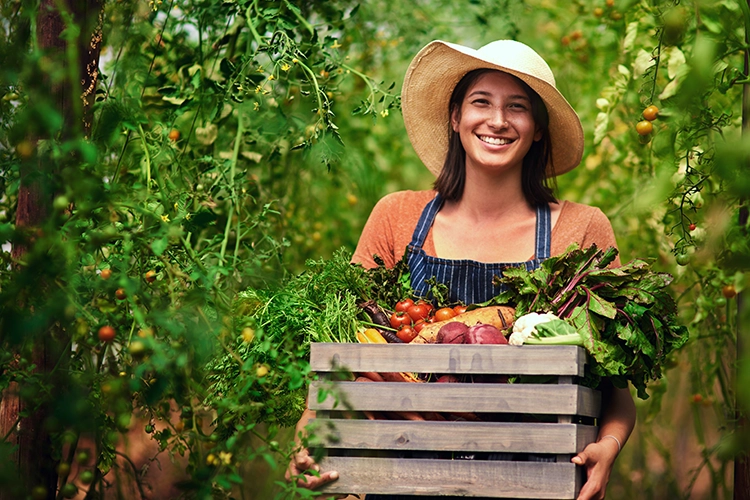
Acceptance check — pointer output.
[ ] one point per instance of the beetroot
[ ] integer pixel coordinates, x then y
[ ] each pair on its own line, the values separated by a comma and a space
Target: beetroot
452, 333
484, 334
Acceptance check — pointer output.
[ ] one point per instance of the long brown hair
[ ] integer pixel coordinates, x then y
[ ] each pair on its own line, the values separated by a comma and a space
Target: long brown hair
534, 176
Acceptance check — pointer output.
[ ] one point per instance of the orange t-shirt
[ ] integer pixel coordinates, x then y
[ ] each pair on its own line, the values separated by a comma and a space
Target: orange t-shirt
392, 222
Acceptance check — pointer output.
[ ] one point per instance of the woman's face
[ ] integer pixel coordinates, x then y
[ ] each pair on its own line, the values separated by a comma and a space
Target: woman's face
495, 123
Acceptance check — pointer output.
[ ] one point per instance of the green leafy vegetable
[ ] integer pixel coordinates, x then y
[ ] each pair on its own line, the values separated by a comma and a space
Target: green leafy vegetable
624, 317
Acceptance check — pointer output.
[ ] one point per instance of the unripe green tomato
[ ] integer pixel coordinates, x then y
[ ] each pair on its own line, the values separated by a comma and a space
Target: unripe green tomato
682, 259
83, 457
720, 301
63, 469
86, 477
60, 203
149, 428
39, 493
68, 490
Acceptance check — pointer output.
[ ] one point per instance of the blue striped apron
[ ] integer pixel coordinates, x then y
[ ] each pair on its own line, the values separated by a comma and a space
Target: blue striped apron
469, 282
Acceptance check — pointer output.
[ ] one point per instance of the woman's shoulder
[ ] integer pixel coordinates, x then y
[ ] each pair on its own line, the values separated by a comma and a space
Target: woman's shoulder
407, 198
579, 213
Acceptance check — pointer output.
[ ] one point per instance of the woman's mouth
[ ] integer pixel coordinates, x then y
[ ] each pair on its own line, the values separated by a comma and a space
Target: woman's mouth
495, 141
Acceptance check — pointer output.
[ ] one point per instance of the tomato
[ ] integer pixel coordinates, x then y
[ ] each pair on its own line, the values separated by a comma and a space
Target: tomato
459, 310
692, 227
174, 135
429, 305
644, 127
150, 276
728, 291
106, 273
83, 457
444, 313
406, 334
120, 294
418, 325
650, 113
403, 305
63, 469
598, 12
418, 311
399, 319
86, 477
68, 490
107, 333
682, 259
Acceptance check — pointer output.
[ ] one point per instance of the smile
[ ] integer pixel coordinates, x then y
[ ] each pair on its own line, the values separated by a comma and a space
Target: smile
495, 141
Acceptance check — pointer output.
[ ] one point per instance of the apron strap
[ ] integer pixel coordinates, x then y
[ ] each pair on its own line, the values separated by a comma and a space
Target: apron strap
543, 232
425, 222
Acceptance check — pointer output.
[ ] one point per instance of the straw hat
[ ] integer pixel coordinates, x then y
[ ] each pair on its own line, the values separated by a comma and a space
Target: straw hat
438, 67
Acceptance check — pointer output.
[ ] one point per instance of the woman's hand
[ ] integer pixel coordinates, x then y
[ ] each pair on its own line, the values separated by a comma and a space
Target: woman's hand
302, 464
598, 459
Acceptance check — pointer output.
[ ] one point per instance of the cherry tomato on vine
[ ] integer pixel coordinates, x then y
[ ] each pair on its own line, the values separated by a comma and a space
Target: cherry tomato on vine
692, 227
406, 334
82, 457
68, 490
150, 276
728, 291
444, 313
63, 469
403, 305
644, 127
399, 319
419, 325
106, 273
86, 477
120, 294
682, 259
107, 333
418, 311
174, 135
650, 113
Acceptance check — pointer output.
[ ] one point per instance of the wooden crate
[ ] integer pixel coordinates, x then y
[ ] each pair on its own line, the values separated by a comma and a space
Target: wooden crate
381, 456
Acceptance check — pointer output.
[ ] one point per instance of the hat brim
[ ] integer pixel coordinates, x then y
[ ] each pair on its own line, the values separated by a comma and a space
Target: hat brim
429, 83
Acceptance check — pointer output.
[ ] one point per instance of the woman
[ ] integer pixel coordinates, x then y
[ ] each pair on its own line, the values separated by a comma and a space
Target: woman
492, 126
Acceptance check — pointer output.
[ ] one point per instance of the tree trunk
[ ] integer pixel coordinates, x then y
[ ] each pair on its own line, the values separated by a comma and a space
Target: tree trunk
73, 99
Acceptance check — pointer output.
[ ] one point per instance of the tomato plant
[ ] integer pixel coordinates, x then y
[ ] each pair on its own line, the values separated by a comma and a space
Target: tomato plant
644, 127
650, 113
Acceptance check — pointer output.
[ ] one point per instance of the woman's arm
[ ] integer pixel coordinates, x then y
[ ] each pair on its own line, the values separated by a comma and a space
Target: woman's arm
617, 422
302, 463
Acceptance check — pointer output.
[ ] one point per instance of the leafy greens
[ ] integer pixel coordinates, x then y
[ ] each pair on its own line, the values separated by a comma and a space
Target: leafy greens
625, 316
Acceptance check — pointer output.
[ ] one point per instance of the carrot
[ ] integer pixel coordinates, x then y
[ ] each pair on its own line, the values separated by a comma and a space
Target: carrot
498, 316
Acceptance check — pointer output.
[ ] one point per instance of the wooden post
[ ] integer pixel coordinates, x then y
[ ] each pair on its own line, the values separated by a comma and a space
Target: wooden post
33, 455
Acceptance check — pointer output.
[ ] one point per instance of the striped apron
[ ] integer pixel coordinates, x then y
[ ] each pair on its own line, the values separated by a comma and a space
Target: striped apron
469, 282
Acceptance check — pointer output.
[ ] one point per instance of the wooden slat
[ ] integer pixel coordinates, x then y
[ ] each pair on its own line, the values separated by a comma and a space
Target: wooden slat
494, 398
435, 358
515, 437
494, 479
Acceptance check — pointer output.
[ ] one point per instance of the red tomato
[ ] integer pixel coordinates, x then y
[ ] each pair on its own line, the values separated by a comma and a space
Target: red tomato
406, 333
420, 324
428, 305
403, 305
418, 311
444, 313
459, 310
106, 333
399, 319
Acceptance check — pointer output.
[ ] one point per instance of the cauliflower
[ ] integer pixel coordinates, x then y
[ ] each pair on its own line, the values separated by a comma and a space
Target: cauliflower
525, 326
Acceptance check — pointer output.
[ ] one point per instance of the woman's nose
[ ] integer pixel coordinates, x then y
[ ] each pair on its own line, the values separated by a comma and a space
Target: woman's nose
497, 118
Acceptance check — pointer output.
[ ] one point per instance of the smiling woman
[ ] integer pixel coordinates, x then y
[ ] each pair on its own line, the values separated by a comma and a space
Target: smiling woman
494, 129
